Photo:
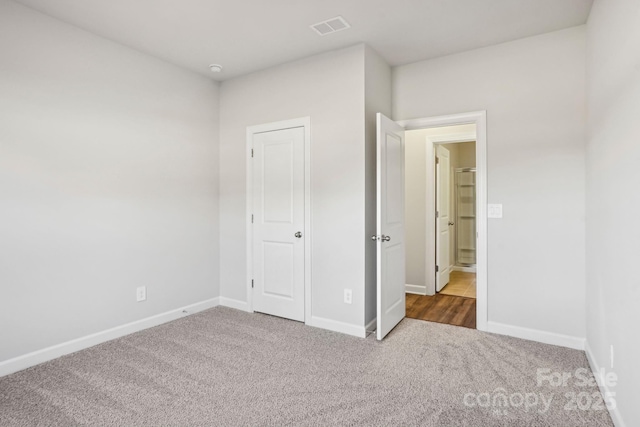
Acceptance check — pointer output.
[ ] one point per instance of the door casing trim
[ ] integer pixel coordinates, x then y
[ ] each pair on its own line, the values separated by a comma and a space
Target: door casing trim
304, 122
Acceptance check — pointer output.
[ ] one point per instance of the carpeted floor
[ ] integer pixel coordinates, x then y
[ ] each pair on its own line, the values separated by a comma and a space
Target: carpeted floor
230, 368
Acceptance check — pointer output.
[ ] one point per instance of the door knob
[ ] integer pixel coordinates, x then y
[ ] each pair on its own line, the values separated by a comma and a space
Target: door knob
450, 223
298, 234
374, 237
386, 238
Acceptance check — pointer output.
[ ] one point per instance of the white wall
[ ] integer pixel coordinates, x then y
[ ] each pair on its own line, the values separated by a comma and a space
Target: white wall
613, 206
534, 93
330, 88
108, 181
415, 207
377, 100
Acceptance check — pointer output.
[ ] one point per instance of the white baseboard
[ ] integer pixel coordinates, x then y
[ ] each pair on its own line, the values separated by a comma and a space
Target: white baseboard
596, 368
40, 356
234, 303
318, 322
336, 326
536, 335
415, 289
463, 269
371, 326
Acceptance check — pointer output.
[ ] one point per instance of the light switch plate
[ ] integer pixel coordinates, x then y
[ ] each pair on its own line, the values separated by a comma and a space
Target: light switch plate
494, 210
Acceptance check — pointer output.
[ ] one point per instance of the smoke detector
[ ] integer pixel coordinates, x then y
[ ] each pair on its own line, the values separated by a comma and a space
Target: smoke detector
329, 26
215, 68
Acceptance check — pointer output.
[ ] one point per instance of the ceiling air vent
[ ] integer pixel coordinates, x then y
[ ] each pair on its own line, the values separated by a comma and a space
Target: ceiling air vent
330, 26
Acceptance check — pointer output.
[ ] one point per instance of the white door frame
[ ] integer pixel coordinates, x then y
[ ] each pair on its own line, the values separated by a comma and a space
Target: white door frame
479, 118
268, 127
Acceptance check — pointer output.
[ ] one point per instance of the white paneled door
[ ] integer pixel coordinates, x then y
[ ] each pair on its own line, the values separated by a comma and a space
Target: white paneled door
278, 222
443, 216
390, 226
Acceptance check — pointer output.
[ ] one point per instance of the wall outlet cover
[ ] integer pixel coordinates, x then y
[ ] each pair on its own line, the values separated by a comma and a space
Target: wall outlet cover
141, 293
348, 296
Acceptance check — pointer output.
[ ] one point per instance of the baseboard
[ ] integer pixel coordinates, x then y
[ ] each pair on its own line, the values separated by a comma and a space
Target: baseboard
463, 269
536, 335
336, 326
318, 322
40, 356
415, 289
596, 368
371, 326
234, 303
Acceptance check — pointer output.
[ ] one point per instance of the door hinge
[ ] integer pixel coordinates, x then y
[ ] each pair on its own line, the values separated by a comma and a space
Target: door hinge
252, 152
437, 160
251, 283
437, 268
437, 214
251, 218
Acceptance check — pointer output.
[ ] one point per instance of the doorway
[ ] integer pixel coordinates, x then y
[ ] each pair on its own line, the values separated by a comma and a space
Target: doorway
462, 281
461, 256
449, 296
463, 128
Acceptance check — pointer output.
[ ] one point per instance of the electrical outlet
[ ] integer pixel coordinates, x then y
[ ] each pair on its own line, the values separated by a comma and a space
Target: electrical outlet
141, 293
348, 296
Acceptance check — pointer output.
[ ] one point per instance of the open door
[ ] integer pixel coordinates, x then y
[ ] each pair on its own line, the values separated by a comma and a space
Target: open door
390, 226
443, 217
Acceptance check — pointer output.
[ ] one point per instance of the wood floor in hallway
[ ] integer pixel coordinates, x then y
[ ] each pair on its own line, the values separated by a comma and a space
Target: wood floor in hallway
440, 308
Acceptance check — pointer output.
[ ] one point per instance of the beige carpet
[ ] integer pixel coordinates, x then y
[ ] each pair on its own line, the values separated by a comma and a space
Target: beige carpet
230, 368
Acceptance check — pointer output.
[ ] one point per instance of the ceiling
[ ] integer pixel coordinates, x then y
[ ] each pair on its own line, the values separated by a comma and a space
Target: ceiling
249, 35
